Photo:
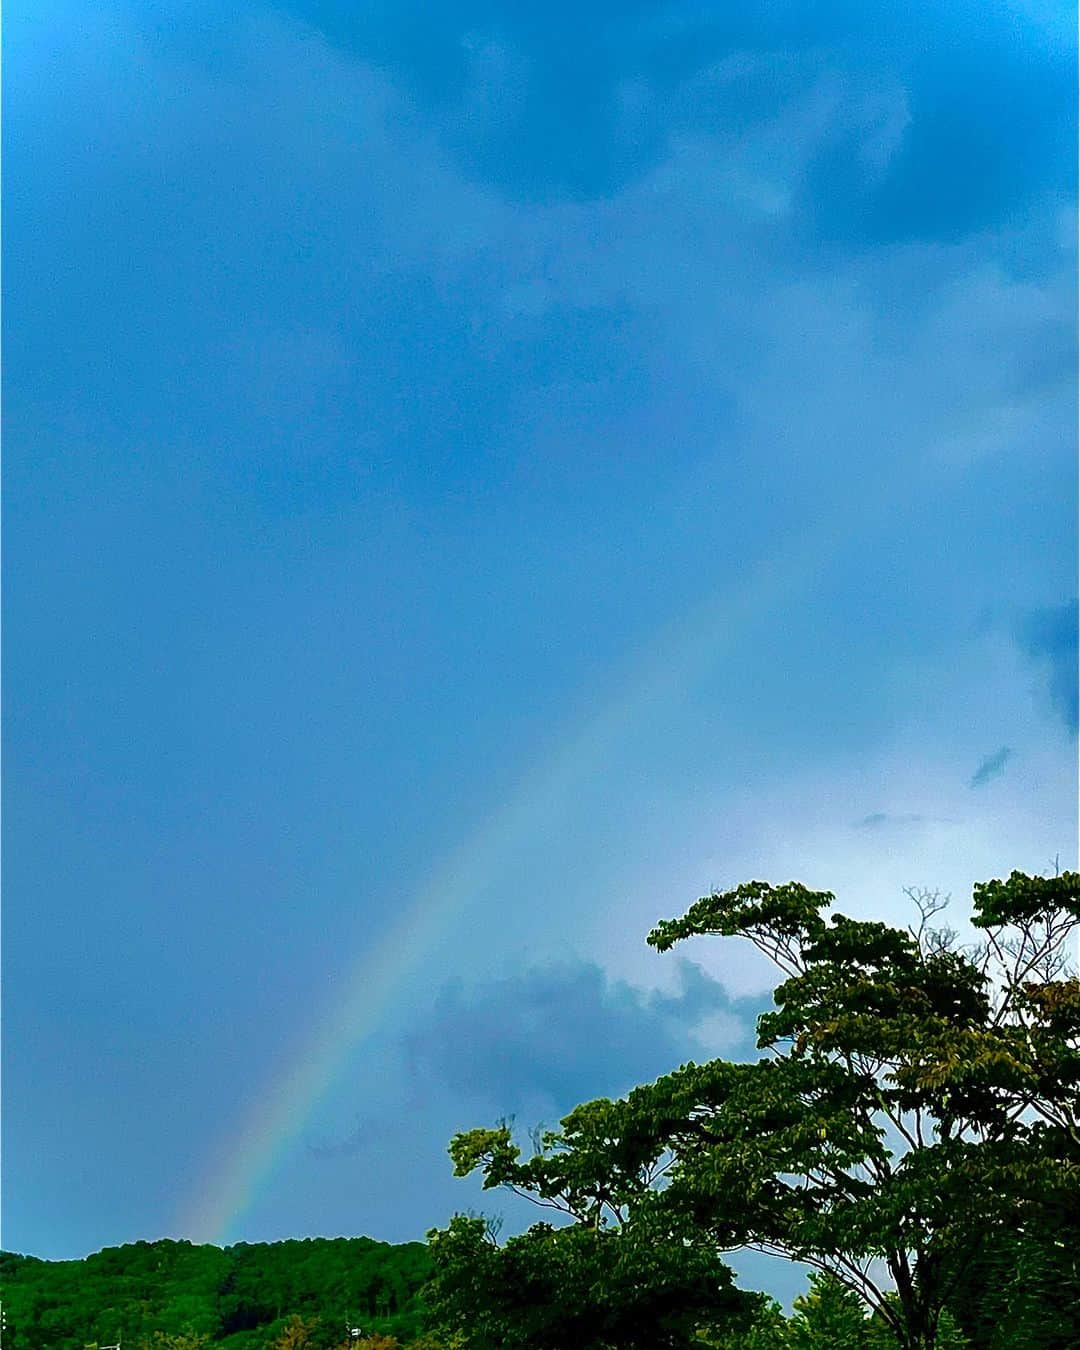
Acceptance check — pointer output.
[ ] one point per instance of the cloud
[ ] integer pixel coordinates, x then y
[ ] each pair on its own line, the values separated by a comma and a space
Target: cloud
936, 152
551, 1037
1048, 638
879, 819
993, 766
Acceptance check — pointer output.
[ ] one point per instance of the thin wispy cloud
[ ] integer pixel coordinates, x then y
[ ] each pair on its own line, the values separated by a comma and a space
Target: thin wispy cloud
993, 766
878, 820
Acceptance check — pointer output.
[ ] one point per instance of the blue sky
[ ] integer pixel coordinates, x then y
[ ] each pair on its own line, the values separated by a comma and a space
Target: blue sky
587, 455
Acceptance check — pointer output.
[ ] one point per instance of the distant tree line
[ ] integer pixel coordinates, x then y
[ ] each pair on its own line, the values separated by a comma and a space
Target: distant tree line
180, 1296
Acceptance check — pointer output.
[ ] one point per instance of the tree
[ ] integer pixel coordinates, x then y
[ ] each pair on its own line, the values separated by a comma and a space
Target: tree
296, 1334
767, 1329
1023, 1288
831, 1314
586, 1285
913, 1102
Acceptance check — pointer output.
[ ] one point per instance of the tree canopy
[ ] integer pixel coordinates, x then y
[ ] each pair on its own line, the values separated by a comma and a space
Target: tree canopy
910, 1128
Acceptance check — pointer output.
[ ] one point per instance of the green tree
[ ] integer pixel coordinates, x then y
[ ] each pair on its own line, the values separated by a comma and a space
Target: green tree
912, 1100
830, 1314
768, 1329
586, 1285
1023, 1292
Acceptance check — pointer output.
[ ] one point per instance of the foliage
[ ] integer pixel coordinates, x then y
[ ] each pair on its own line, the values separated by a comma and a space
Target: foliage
297, 1295
298, 1333
767, 1329
585, 1285
914, 1101
184, 1340
830, 1314
1024, 1290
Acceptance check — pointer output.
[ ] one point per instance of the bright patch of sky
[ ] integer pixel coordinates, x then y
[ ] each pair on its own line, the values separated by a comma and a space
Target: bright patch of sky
559, 460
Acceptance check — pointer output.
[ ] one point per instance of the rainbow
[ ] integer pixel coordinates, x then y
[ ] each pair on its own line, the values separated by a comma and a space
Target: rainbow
277, 1119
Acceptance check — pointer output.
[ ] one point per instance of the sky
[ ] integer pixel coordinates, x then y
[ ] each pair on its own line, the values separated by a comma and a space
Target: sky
477, 478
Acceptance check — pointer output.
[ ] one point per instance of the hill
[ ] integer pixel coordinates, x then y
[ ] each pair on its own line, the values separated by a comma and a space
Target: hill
239, 1298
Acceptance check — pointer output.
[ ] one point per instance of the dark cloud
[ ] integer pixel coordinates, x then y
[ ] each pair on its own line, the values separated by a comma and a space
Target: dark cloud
993, 766
982, 121
1048, 637
983, 133
878, 819
550, 1038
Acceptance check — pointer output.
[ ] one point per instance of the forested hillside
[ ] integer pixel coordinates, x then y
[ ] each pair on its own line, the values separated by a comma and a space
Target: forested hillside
240, 1297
